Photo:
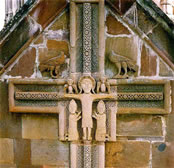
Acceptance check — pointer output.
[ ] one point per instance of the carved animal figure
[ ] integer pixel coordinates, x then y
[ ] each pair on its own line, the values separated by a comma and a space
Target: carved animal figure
53, 65
103, 85
70, 87
124, 63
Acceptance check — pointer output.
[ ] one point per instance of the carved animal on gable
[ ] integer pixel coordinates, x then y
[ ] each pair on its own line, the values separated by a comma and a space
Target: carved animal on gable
123, 64
53, 65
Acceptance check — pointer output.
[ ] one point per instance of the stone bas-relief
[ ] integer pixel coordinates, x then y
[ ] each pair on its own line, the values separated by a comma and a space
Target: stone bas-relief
87, 103
54, 66
124, 65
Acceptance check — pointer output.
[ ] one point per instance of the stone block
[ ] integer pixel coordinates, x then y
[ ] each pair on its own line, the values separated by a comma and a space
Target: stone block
163, 41
162, 155
24, 31
22, 152
46, 10
54, 49
172, 88
10, 123
25, 66
164, 70
115, 27
148, 62
7, 166
139, 125
170, 128
127, 154
61, 23
50, 152
39, 40
39, 126
6, 151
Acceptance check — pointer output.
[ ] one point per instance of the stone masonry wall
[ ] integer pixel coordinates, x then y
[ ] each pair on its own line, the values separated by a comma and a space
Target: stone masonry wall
143, 141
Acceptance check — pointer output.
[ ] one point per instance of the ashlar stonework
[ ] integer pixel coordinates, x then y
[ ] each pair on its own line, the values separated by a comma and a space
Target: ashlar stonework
97, 90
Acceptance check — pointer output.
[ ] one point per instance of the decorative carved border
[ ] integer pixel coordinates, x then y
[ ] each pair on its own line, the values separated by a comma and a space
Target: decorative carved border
30, 109
166, 96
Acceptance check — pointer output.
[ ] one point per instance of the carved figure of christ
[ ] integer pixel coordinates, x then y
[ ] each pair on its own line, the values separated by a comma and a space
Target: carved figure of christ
87, 98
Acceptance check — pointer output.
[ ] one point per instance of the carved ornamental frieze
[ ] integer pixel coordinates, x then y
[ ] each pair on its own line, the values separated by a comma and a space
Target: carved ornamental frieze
87, 102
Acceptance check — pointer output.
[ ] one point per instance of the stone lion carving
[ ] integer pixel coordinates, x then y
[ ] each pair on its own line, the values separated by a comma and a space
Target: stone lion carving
122, 63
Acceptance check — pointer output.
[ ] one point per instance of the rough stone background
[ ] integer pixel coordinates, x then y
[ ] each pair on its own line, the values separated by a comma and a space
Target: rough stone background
144, 141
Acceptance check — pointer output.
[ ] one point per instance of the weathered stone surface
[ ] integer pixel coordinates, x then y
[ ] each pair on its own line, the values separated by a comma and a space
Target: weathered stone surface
7, 166
10, 124
172, 88
139, 125
148, 62
115, 27
162, 155
61, 23
123, 154
25, 66
6, 151
24, 31
162, 40
164, 70
126, 5
45, 11
50, 152
122, 5
39, 40
170, 128
145, 22
39, 127
125, 46
22, 152
54, 49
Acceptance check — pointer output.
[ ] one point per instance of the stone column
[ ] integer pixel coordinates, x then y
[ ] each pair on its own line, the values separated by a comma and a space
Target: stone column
101, 37
74, 155
73, 37
101, 156
87, 38
87, 155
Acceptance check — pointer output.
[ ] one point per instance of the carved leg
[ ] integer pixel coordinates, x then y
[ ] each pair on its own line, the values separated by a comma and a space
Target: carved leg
89, 134
118, 65
84, 134
124, 65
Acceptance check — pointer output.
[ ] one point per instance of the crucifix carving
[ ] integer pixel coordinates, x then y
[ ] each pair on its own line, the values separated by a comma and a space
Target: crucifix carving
80, 91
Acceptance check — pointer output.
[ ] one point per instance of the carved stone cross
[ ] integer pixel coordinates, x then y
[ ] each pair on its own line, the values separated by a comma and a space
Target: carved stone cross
88, 116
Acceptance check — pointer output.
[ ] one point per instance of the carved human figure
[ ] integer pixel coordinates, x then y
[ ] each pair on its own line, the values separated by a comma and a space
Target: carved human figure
70, 87
100, 116
86, 85
103, 85
74, 116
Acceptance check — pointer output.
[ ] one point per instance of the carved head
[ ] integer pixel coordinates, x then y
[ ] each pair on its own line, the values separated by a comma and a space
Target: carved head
101, 107
86, 84
72, 106
70, 81
103, 79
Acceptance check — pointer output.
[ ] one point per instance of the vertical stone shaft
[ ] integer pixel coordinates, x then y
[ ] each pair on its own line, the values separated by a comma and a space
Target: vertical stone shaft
73, 37
87, 156
8, 10
101, 156
101, 37
74, 155
86, 38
